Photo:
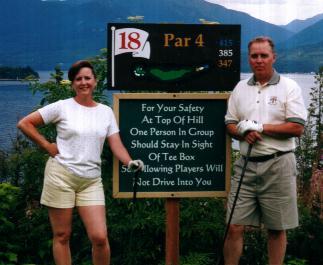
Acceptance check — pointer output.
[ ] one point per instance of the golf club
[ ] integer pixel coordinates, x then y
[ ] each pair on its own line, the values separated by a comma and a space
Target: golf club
135, 185
235, 202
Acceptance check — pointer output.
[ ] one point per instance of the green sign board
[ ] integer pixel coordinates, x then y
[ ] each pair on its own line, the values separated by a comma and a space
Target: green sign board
173, 57
181, 139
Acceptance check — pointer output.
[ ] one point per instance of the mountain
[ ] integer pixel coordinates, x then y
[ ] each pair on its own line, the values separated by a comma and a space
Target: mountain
306, 58
304, 50
44, 33
310, 35
298, 25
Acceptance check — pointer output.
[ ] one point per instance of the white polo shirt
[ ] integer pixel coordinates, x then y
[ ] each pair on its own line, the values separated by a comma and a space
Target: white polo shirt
81, 132
279, 101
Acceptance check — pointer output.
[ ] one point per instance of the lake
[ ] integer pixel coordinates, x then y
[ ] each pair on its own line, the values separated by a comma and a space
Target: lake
16, 101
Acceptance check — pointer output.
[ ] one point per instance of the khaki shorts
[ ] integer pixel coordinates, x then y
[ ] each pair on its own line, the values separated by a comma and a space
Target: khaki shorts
267, 195
63, 189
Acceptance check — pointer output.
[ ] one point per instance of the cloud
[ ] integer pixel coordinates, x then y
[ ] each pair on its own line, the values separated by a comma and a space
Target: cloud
275, 11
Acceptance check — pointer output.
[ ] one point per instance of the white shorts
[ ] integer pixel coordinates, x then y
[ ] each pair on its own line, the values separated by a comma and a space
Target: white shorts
63, 189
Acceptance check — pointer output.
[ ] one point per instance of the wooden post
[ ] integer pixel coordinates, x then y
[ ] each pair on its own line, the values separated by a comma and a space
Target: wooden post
172, 231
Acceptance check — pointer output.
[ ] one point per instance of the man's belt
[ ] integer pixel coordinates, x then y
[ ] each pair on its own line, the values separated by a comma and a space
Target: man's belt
267, 157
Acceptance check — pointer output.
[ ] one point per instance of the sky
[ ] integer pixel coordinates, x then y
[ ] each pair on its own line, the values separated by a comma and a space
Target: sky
279, 12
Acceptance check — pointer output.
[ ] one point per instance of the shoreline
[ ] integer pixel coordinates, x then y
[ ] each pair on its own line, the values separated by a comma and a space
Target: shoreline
18, 79
9, 79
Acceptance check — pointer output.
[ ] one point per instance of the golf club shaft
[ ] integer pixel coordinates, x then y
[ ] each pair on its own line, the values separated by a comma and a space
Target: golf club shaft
238, 190
135, 185
235, 199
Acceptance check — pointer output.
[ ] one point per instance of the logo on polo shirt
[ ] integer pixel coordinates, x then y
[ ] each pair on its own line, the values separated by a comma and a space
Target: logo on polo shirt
273, 100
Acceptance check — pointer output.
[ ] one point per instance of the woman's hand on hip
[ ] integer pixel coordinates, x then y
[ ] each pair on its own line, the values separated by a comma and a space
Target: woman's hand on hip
52, 149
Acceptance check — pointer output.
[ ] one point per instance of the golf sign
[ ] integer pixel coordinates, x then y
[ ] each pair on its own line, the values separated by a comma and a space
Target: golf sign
181, 139
173, 57
131, 40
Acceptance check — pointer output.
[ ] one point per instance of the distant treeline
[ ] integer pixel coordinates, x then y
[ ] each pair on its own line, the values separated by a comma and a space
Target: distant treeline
17, 73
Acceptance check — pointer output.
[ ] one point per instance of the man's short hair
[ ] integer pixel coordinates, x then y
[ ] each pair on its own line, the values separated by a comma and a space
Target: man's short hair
262, 39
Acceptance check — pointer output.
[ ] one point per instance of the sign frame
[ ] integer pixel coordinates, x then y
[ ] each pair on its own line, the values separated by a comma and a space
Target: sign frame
173, 57
171, 194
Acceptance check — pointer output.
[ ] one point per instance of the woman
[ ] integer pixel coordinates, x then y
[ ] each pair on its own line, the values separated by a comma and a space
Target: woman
73, 171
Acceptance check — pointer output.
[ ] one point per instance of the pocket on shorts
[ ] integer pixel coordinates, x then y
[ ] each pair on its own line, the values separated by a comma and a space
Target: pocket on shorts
48, 166
288, 173
55, 174
237, 168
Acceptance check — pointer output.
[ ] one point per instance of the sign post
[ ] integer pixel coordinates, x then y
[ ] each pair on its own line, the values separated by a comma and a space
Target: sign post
172, 231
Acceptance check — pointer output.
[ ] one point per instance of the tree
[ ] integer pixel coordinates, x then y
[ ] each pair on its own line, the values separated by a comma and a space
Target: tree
25, 237
308, 144
8, 237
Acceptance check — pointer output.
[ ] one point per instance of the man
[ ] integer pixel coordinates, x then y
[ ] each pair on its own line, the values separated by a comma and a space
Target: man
267, 112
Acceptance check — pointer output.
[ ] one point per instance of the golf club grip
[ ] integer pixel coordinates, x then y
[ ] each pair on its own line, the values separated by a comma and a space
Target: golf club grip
247, 157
